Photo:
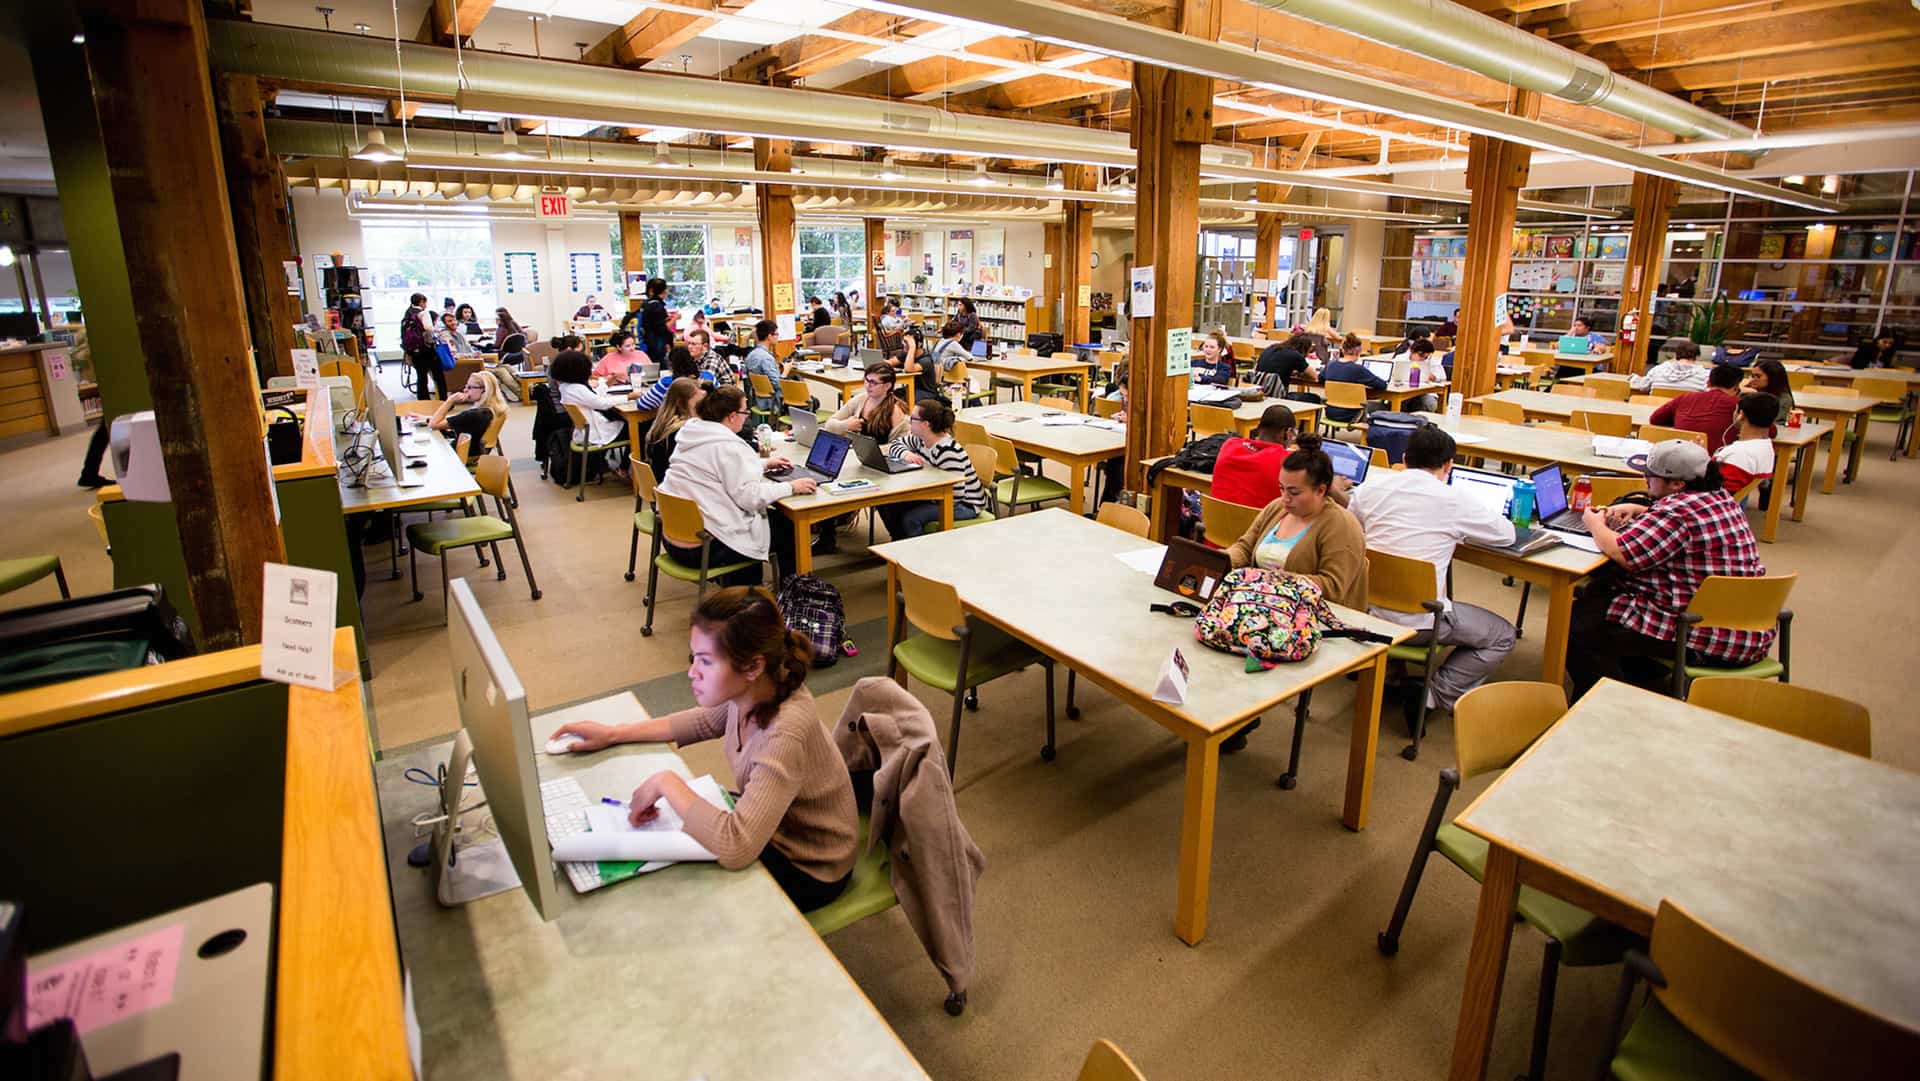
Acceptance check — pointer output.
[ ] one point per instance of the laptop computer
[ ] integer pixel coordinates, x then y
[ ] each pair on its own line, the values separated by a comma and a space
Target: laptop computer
873, 457
1192, 569
1495, 491
1574, 345
870, 357
1349, 461
1381, 368
805, 424
842, 353
980, 349
824, 460
1550, 500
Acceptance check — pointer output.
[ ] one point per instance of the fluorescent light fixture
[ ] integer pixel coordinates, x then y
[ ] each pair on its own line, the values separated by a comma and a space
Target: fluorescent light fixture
980, 179
376, 148
1830, 184
79, 39
1796, 180
6, 255
890, 169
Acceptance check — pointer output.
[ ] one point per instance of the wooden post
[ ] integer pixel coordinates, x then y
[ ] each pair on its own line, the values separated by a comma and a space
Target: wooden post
1172, 119
1050, 267
1076, 247
633, 259
876, 253
1496, 171
1396, 273
773, 208
262, 224
1653, 200
170, 195
1267, 234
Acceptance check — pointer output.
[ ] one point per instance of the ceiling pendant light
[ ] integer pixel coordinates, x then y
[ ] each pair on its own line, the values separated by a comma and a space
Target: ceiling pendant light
510, 145
663, 157
1121, 185
1055, 181
890, 170
980, 179
376, 148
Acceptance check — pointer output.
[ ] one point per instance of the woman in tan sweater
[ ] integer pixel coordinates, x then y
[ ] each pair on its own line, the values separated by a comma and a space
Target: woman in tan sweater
1306, 532
796, 812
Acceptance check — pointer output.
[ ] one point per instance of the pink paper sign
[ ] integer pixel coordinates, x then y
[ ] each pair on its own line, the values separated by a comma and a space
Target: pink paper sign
107, 985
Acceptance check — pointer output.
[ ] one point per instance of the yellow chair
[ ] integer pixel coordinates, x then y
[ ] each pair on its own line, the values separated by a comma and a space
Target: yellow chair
1493, 725
1840, 723
1740, 604
1668, 392
678, 520
967, 432
959, 376
1608, 488
1509, 412
1610, 388
1125, 518
1212, 420
26, 570
761, 391
644, 516
1402, 584
439, 538
1797, 381
955, 655
1572, 390
1107, 407
1105, 1062
985, 462
1620, 424
1719, 1010
1347, 396
1657, 433
1222, 523
581, 447
1061, 404
794, 392
1014, 487
97, 514
1646, 399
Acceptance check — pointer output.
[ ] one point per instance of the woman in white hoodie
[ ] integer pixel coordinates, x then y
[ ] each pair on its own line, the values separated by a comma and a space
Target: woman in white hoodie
718, 470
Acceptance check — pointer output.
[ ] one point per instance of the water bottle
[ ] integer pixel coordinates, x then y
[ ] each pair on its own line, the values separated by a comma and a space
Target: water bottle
763, 437
1522, 513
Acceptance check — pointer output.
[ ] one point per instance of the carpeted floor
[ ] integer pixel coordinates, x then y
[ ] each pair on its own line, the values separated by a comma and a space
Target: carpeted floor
1074, 916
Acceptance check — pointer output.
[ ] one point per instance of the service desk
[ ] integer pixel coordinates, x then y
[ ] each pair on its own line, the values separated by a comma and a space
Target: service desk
39, 391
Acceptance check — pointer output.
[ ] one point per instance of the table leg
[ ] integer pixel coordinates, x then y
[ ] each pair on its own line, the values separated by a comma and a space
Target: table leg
1026, 388
1196, 838
1076, 488
1913, 431
946, 509
1860, 423
802, 543
1803, 485
1835, 440
1365, 741
1085, 379
1486, 965
1782, 462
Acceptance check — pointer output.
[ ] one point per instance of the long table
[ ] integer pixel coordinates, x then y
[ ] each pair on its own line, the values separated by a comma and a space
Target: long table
1075, 446
445, 474
925, 483
652, 973
1026, 368
1801, 854
1845, 376
1070, 598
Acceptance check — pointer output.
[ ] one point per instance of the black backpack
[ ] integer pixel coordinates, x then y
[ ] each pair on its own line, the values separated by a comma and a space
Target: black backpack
1198, 456
812, 606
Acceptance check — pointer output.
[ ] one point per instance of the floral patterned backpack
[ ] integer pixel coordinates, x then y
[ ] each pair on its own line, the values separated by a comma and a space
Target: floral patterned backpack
1270, 617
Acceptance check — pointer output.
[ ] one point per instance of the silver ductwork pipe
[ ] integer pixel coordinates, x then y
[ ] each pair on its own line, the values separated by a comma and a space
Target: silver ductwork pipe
1455, 34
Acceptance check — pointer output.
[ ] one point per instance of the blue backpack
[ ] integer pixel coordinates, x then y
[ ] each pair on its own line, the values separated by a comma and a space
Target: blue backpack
1391, 432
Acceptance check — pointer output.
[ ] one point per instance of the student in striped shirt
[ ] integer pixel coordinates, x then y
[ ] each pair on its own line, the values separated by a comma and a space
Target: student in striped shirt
929, 441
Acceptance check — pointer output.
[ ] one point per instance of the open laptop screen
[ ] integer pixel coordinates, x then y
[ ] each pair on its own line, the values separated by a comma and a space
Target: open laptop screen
1381, 368
828, 453
980, 348
1349, 461
1549, 491
841, 354
1493, 490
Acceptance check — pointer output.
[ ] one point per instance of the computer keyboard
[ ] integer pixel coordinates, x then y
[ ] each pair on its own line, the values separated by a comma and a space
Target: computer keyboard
566, 803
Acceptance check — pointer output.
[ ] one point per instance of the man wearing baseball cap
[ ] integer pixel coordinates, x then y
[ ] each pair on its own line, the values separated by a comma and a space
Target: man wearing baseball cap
1625, 623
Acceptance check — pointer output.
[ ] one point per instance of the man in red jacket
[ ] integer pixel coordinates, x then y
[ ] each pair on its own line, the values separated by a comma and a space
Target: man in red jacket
1247, 471
1710, 411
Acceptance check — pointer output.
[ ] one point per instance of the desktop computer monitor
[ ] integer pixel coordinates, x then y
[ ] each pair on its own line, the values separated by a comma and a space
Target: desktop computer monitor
386, 430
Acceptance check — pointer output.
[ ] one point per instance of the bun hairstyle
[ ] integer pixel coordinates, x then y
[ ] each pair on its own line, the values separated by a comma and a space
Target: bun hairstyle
746, 624
719, 404
1308, 458
1351, 344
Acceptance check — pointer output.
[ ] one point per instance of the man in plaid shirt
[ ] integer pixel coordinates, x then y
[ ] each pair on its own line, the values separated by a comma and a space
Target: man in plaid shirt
1693, 528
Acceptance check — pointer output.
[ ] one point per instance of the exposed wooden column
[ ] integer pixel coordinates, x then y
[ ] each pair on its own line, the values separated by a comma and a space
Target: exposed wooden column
1653, 200
1076, 246
773, 209
1172, 119
633, 259
1396, 273
876, 231
1050, 264
1268, 230
170, 195
1496, 171
262, 224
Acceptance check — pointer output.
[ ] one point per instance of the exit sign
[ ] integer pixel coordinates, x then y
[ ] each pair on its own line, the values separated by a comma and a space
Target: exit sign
1306, 234
553, 206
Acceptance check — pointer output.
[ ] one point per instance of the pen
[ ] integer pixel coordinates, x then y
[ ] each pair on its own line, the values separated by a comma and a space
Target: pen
611, 802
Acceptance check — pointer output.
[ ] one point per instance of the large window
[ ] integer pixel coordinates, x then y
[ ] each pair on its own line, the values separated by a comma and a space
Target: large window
832, 260
439, 258
677, 253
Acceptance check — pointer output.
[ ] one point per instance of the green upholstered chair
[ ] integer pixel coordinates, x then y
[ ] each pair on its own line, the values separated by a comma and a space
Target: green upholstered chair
680, 521
985, 461
1493, 724
1895, 408
1401, 584
582, 447
868, 893
1014, 487
1741, 604
438, 538
26, 570
644, 486
954, 654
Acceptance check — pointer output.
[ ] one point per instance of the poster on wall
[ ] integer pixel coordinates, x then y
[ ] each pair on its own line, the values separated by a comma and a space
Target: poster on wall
743, 238
522, 271
1530, 277
1773, 245
1559, 247
960, 258
1179, 351
583, 272
1613, 247
1140, 299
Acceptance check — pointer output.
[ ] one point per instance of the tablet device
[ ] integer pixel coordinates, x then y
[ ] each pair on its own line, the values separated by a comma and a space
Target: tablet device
1192, 570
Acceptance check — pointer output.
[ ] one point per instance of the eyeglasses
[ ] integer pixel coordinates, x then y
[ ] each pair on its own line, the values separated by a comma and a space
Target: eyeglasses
742, 413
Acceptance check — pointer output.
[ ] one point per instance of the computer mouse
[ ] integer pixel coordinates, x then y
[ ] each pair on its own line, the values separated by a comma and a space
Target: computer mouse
564, 744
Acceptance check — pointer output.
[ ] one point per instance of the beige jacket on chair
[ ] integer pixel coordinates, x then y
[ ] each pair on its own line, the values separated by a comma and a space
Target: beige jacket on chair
934, 863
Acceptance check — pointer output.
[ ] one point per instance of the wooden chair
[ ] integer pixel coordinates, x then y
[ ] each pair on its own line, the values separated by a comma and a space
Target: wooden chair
439, 538
1610, 388
1719, 1010
1346, 396
98, 516
1509, 412
1493, 725
1061, 404
1572, 390
1054, 385
1107, 407
1016, 487
1740, 604
1840, 723
959, 376
1646, 399
1893, 408
986, 462
644, 516
25, 570
1607, 488
1106, 1062
761, 390
678, 520
581, 446
1620, 424
1222, 523
1402, 584
1667, 392
1659, 433
1798, 381
955, 655
1125, 518
1212, 419
970, 431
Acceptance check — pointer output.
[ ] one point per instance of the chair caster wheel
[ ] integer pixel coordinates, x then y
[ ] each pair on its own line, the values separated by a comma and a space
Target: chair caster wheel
956, 1003
536, 594
646, 632
1410, 752
1073, 713
418, 597
1286, 781
973, 701
1046, 754
1388, 944
629, 576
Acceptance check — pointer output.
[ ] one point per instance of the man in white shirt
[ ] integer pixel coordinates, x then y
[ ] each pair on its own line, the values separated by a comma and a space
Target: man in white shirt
1684, 371
1415, 513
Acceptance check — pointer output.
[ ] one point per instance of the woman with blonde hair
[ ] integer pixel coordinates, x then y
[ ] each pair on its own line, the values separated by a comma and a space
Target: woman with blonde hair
1320, 329
674, 413
471, 410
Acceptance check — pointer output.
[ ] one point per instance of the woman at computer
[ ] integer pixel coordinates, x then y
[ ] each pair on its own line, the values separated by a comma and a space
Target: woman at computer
1306, 532
471, 410
715, 468
876, 411
796, 812
623, 353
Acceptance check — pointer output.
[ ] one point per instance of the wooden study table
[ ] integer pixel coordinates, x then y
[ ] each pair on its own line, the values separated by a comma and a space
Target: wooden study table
843, 380
1556, 570
1028, 367
1590, 362
1246, 415
1075, 446
1397, 395
1839, 410
648, 977
446, 478
925, 483
1801, 854
637, 420
1070, 598
1844, 376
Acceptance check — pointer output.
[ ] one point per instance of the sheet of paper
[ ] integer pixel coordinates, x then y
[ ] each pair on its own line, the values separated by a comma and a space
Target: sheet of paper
784, 326
1179, 350
1468, 439
1141, 298
306, 368
1613, 446
110, 985
1062, 420
609, 836
1107, 425
1145, 560
1578, 540
296, 626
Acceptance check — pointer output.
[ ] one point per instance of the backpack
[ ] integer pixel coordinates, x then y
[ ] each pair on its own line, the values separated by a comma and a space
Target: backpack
1392, 431
1269, 617
413, 336
1199, 456
812, 606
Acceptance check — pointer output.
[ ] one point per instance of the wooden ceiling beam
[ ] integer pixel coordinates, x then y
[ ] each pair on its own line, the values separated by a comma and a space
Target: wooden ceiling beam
1817, 63
937, 73
1785, 36
810, 54
649, 34
1501, 8
444, 15
1786, 94
1034, 91
1599, 22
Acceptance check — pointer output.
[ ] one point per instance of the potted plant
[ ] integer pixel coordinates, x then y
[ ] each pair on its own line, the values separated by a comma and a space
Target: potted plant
1710, 323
